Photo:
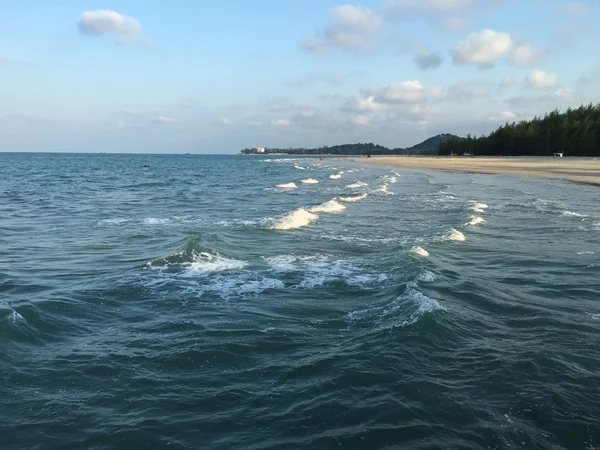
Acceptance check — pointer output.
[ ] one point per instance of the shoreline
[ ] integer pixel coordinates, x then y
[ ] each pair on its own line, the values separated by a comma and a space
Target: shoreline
586, 171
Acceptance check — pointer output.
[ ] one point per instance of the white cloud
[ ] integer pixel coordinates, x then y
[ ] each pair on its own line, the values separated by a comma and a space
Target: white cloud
544, 102
466, 91
503, 116
224, 121
564, 94
525, 54
280, 123
482, 48
411, 91
453, 24
368, 104
576, 8
410, 6
361, 121
507, 82
306, 113
540, 79
255, 123
110, 23
163, 119
355, 18
350, 28
274, 107
316, 78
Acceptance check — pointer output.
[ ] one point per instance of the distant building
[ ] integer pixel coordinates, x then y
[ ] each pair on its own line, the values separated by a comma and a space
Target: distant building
260, 149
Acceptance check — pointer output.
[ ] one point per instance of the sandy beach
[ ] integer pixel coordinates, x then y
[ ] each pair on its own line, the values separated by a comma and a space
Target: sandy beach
579, 170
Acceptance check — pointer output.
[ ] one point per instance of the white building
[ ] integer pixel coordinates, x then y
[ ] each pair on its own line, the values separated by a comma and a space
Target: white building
260, 149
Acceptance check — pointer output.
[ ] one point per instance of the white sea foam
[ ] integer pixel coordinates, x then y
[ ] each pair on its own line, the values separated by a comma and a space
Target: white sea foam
204, 263
235, 223
296, 166
403, 311
424, 305
287, 186
315, 271
309, 181
156, 221
16, 317
363, 280
335, 176
420, 251
572, 214
357, 185
427, 277
384, 189
232, 286
353, 199
228, 286
282, 263
585, 253
475, 220
548, 205
455, 235
330, 206
478, 207
389, 179
296, 219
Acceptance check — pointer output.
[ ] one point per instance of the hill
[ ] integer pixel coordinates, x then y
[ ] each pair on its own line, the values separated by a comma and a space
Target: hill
428, 146
575, 132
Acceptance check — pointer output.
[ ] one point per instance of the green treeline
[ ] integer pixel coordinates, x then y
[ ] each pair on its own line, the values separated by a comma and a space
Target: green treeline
576, 132
428, 146
346, 149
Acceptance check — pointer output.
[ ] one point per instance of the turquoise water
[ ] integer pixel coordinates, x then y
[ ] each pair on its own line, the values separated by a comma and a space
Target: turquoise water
194, 304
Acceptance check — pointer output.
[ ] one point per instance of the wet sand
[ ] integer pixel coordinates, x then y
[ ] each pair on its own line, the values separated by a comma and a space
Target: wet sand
579, 170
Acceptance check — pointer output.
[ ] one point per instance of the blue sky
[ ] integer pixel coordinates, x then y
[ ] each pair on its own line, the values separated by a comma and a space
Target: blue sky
215, 77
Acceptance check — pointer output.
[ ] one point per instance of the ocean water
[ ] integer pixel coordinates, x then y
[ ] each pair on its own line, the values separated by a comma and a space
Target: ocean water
241, 302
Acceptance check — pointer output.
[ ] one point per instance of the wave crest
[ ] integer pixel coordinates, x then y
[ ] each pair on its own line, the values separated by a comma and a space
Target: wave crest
331, 206
353, 199
296, 219
287, 186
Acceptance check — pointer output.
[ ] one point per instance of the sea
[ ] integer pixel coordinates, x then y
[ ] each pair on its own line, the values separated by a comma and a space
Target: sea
270, 302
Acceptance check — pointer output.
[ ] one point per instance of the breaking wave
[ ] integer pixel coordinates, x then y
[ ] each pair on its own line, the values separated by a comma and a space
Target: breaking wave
328, 207
357, 185
403, 311
420, 251
455, 235
287, 186
296, 219
475, 220
477, 207
353, 199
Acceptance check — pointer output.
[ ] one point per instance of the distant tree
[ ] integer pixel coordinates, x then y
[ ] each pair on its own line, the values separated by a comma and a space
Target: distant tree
576, 132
